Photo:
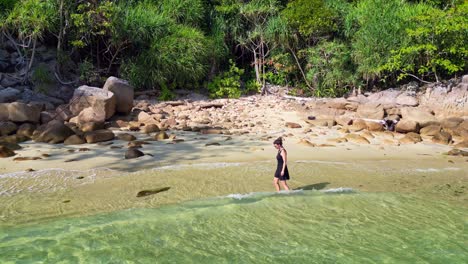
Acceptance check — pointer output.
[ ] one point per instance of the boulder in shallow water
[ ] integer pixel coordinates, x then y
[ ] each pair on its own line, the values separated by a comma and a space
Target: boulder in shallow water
26, 130
126, 137
74, 140
6, 152
91, 126
457, 152
151, 128
161, 136
99, 136
152, 191
133, 153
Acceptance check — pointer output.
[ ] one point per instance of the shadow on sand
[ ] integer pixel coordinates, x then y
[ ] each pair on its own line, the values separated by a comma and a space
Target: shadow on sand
316, 186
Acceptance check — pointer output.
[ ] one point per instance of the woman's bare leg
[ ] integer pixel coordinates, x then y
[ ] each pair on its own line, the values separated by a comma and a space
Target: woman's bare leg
276, 184
285, 185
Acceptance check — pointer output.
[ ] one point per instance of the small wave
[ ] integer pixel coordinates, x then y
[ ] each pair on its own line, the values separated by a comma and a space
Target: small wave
339, 190
438, 170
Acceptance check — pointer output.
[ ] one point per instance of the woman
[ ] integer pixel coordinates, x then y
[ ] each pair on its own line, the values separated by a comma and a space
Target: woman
281, 174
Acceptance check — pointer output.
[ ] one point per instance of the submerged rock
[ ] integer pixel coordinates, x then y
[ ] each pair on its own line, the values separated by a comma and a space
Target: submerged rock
133, 153
152, 191
457, 152
6, 152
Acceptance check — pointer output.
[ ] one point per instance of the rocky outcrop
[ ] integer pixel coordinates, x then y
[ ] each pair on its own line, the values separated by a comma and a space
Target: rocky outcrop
123, 92
20, 112
100, 104
54, 132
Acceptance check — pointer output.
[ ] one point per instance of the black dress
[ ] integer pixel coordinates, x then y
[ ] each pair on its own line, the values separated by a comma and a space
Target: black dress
280, 167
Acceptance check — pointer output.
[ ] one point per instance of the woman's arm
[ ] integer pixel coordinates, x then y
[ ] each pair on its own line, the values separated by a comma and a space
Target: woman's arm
285, 159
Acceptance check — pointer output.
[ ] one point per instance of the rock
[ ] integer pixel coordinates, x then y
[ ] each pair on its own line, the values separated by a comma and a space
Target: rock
7, 128
161, 136
123, 92
54, 132
337, 140
152, 191
368, 135
99, 136
211, 105
306, 142
74, 140
338, 103
357, 125
9, 95
91, 126
90, 115
26, 130
211, 131
293, 125
146, 118
463, 144
431, 130
46, 117
10, 145
126, 137
371, 111
411, 138
442, 138
420, 115
133, 153
357, 139
343, 120
151, 128
26, 158
6, 152
451, 122
457, 152
212, 144
406, 100
406, 126
393, 111
374, 126
3, 112
20, 112
64, 113
102, 102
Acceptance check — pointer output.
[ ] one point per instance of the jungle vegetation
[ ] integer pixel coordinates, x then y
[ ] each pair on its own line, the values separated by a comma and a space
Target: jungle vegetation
234, 47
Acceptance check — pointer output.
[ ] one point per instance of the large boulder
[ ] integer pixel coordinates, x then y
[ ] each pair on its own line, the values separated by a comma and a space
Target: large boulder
74, 140
133, 153
442, 138
3, 112
7, 128
422, 116
406, 126
411, 138
6, 152
451, 122
371, 111
90, 115
54, 132
123, 92
21, 112
101, 101
431, 130
26, 130
357, 139
407, 100
99, 136
9, 95
91, 126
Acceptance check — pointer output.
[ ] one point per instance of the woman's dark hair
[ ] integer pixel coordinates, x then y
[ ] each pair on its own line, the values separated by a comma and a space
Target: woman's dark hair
278, 141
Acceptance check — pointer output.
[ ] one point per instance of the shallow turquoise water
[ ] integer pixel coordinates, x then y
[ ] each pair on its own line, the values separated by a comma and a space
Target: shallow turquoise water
302, 227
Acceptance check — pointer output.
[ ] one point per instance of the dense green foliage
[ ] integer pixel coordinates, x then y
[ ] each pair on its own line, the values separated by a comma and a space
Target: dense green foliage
322, 47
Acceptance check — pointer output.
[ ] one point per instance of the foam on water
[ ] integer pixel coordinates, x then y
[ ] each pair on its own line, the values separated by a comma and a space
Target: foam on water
438, 170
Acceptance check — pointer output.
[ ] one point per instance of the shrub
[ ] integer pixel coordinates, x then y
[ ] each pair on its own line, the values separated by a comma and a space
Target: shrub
228, 84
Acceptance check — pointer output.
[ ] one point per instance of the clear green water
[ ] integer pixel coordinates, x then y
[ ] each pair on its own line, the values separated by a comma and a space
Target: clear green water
303, 227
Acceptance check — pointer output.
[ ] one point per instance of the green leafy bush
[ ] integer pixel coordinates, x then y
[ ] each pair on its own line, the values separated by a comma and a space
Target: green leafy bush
437, 45
330, 69
166, 94
228, 84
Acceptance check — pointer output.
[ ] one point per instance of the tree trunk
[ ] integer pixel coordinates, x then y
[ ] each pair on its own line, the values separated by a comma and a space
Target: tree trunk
257, 73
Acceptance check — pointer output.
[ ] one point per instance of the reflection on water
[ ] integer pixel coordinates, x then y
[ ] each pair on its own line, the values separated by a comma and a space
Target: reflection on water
298, 227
